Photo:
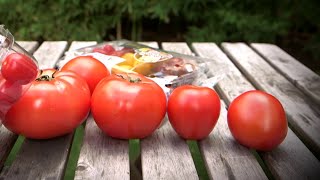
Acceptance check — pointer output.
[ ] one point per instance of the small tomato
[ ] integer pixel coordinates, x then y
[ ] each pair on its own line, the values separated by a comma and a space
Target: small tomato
257, 120
89, 68
19, 68
193, 111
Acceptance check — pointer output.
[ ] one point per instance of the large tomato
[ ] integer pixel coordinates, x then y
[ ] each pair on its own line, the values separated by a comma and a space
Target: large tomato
193, 111
128, 106
257, 120
89, 68
54, 105
19, 68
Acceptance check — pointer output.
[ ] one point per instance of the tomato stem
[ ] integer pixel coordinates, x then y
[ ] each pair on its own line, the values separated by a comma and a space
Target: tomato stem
53, 74
119, 75
45, 77
134, 80
130, 79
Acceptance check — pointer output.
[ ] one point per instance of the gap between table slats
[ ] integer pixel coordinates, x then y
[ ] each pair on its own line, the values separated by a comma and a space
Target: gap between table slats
42, 159
303, 115
292, 159
164, 155
7, 138
102, 157
224, 157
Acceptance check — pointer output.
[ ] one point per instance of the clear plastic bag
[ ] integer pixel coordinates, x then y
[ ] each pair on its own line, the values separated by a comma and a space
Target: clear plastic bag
18, 69
168, 69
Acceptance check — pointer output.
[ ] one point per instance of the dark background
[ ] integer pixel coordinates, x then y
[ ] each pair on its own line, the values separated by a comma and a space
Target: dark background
291, 24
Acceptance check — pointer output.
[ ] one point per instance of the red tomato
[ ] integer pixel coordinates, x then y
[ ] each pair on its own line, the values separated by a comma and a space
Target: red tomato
54, 105
89, 68
128, 106
193, 111
257, 120
9, 94
100, 50
108, 48
19, 68
122, 52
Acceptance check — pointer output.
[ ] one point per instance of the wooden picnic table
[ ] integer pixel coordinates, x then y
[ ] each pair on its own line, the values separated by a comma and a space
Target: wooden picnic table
165, 155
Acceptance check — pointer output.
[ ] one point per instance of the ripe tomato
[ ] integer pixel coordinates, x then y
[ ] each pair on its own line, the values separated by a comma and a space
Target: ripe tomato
193, 111
128, 106
54, 105
19, 68
108, 48
9, 93
257, 120
99, 50
89, 68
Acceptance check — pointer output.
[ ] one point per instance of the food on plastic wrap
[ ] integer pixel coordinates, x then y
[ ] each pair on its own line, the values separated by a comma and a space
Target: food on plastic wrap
168, 69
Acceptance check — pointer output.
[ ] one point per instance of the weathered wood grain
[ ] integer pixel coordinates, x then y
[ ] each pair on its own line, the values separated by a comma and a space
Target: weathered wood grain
49, 53
299, 161
164, 155
233, 83
102, 157
303, 115
81, 44
42, 159
30, 46
7, 138
39, 159
152, 44
300, 75
292, 160
179, 47
224, 157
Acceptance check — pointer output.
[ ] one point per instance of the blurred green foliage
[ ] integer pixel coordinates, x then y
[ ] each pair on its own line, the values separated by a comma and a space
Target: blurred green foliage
284, 21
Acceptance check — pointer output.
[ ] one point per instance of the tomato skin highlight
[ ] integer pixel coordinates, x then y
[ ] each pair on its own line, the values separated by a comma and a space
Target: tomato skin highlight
257, 120
50, 108
128, 110
193, 111
89, 68
19, 68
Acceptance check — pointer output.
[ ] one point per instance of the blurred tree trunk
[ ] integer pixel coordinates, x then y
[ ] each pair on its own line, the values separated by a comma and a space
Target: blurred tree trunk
119, 30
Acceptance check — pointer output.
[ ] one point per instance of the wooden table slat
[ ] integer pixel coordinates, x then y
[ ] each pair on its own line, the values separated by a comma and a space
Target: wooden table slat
30, 46
301, 76
233, 77
303, 115
7, 138
179, 47
165, 155
225, 158
292, 148
34, 155
49, 53
102, 157
152, 44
